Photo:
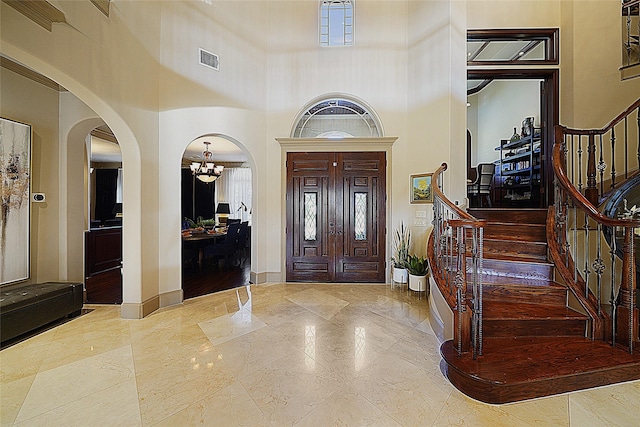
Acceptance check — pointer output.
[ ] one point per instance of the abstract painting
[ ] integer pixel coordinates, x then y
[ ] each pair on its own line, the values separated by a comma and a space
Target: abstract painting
15, 163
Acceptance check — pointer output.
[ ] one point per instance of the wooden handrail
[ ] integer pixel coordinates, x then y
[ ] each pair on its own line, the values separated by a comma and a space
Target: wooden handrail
437, 192
582, 202
447, 254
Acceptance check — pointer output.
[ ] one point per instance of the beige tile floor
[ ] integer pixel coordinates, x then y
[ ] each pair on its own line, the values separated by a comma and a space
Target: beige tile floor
268, 355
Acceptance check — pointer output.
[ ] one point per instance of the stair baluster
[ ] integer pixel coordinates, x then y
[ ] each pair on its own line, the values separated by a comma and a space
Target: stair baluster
450, 231
622, 316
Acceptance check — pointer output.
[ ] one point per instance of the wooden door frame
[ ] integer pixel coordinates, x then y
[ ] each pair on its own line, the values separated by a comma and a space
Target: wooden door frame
551, 79
287, 145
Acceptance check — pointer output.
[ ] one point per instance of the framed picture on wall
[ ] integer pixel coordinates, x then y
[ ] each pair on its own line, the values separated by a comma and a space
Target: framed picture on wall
421, 188
15, 164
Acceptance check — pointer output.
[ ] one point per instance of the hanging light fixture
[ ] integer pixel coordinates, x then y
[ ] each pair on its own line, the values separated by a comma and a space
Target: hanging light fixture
206, 171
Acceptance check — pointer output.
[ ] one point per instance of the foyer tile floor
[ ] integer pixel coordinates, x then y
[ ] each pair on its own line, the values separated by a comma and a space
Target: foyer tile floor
267, 355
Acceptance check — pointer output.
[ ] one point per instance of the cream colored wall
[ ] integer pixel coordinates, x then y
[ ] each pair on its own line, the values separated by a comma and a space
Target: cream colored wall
502, 106
197, 101
596, 94
19, 96
436, 105
177, 129
236, 32
137, 70
590, 53
374, 70
94, 57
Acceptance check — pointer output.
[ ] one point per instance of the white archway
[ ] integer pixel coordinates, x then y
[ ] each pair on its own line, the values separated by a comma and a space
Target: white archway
74, 210
226, 151
133, 280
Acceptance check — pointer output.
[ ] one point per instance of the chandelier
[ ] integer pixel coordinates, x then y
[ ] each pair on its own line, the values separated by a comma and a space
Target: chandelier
206, 171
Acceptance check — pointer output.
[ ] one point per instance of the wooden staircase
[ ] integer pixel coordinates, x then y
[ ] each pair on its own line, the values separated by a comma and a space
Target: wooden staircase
534, 343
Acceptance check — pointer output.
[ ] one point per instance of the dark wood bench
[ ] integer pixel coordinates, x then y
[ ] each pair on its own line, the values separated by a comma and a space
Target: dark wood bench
25, 307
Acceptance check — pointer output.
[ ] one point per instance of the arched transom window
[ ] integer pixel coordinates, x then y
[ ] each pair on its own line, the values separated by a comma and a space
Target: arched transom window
336, 23
337, 118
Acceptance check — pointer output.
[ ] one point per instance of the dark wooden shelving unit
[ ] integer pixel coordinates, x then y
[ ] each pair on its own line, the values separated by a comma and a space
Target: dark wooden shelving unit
517, 180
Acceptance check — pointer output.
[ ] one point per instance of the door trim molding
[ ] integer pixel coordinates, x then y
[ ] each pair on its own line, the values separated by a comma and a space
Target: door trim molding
330, 145
337, 144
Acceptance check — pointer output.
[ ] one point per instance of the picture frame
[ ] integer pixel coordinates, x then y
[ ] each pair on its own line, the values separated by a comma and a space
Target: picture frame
15, 200
421, 188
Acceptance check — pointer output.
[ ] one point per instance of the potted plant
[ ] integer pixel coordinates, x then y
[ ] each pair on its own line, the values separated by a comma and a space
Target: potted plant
401, 242
418, 270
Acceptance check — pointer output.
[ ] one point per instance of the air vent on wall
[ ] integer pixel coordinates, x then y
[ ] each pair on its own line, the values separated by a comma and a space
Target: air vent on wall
209, 59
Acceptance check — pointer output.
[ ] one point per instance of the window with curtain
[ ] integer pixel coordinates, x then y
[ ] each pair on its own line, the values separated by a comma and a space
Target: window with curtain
234, 187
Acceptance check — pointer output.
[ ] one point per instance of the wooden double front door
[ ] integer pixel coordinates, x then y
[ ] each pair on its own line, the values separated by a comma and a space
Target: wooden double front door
336, 217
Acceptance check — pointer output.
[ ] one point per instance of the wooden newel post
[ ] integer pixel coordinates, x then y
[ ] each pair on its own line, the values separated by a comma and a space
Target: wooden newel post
591, 191
627, 319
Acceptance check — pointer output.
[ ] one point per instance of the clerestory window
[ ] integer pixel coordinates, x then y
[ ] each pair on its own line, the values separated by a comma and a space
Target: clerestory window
336, 23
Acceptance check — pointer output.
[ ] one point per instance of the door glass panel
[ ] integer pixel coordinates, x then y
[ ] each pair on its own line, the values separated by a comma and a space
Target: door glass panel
360, 220
310, 216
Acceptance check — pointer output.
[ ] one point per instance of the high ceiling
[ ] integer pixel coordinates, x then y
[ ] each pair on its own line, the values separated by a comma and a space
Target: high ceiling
104, 146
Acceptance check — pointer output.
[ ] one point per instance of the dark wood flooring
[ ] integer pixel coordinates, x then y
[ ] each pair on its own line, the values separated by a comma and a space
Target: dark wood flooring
211, 278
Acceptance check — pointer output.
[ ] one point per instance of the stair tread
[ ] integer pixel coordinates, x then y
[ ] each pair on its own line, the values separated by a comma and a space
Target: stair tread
493, 279
514, 262
492, 239
501, 310
499, 256
521, 261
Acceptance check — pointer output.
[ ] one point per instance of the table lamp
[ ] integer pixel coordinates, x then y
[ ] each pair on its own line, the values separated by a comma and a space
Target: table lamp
223, 212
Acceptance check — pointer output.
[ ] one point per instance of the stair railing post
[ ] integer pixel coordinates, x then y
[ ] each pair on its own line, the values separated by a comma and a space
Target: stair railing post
627, 312
591, 192
477, 290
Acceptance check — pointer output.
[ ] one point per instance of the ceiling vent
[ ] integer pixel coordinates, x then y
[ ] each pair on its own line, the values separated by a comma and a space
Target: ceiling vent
209, 59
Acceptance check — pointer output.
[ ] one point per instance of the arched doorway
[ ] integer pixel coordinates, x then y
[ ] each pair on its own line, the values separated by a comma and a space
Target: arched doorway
216, 191
66, 249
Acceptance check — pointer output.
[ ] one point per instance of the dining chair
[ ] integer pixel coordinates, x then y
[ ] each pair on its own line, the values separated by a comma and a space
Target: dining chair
242, 240
225, 249
482, 185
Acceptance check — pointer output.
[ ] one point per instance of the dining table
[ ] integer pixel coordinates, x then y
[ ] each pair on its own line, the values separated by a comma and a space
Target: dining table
199, 239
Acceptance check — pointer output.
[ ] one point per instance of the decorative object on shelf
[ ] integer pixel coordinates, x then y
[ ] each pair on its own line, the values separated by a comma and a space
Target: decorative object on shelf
206, 171
421, 188
418, 271
631, 213
515, 136
527, 127
400, 258
15, 164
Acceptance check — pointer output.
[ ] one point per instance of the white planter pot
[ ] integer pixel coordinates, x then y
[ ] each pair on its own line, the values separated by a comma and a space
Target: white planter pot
400, 275
417, 283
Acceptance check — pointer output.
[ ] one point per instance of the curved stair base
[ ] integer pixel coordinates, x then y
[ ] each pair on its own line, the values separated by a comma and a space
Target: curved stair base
515, 369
